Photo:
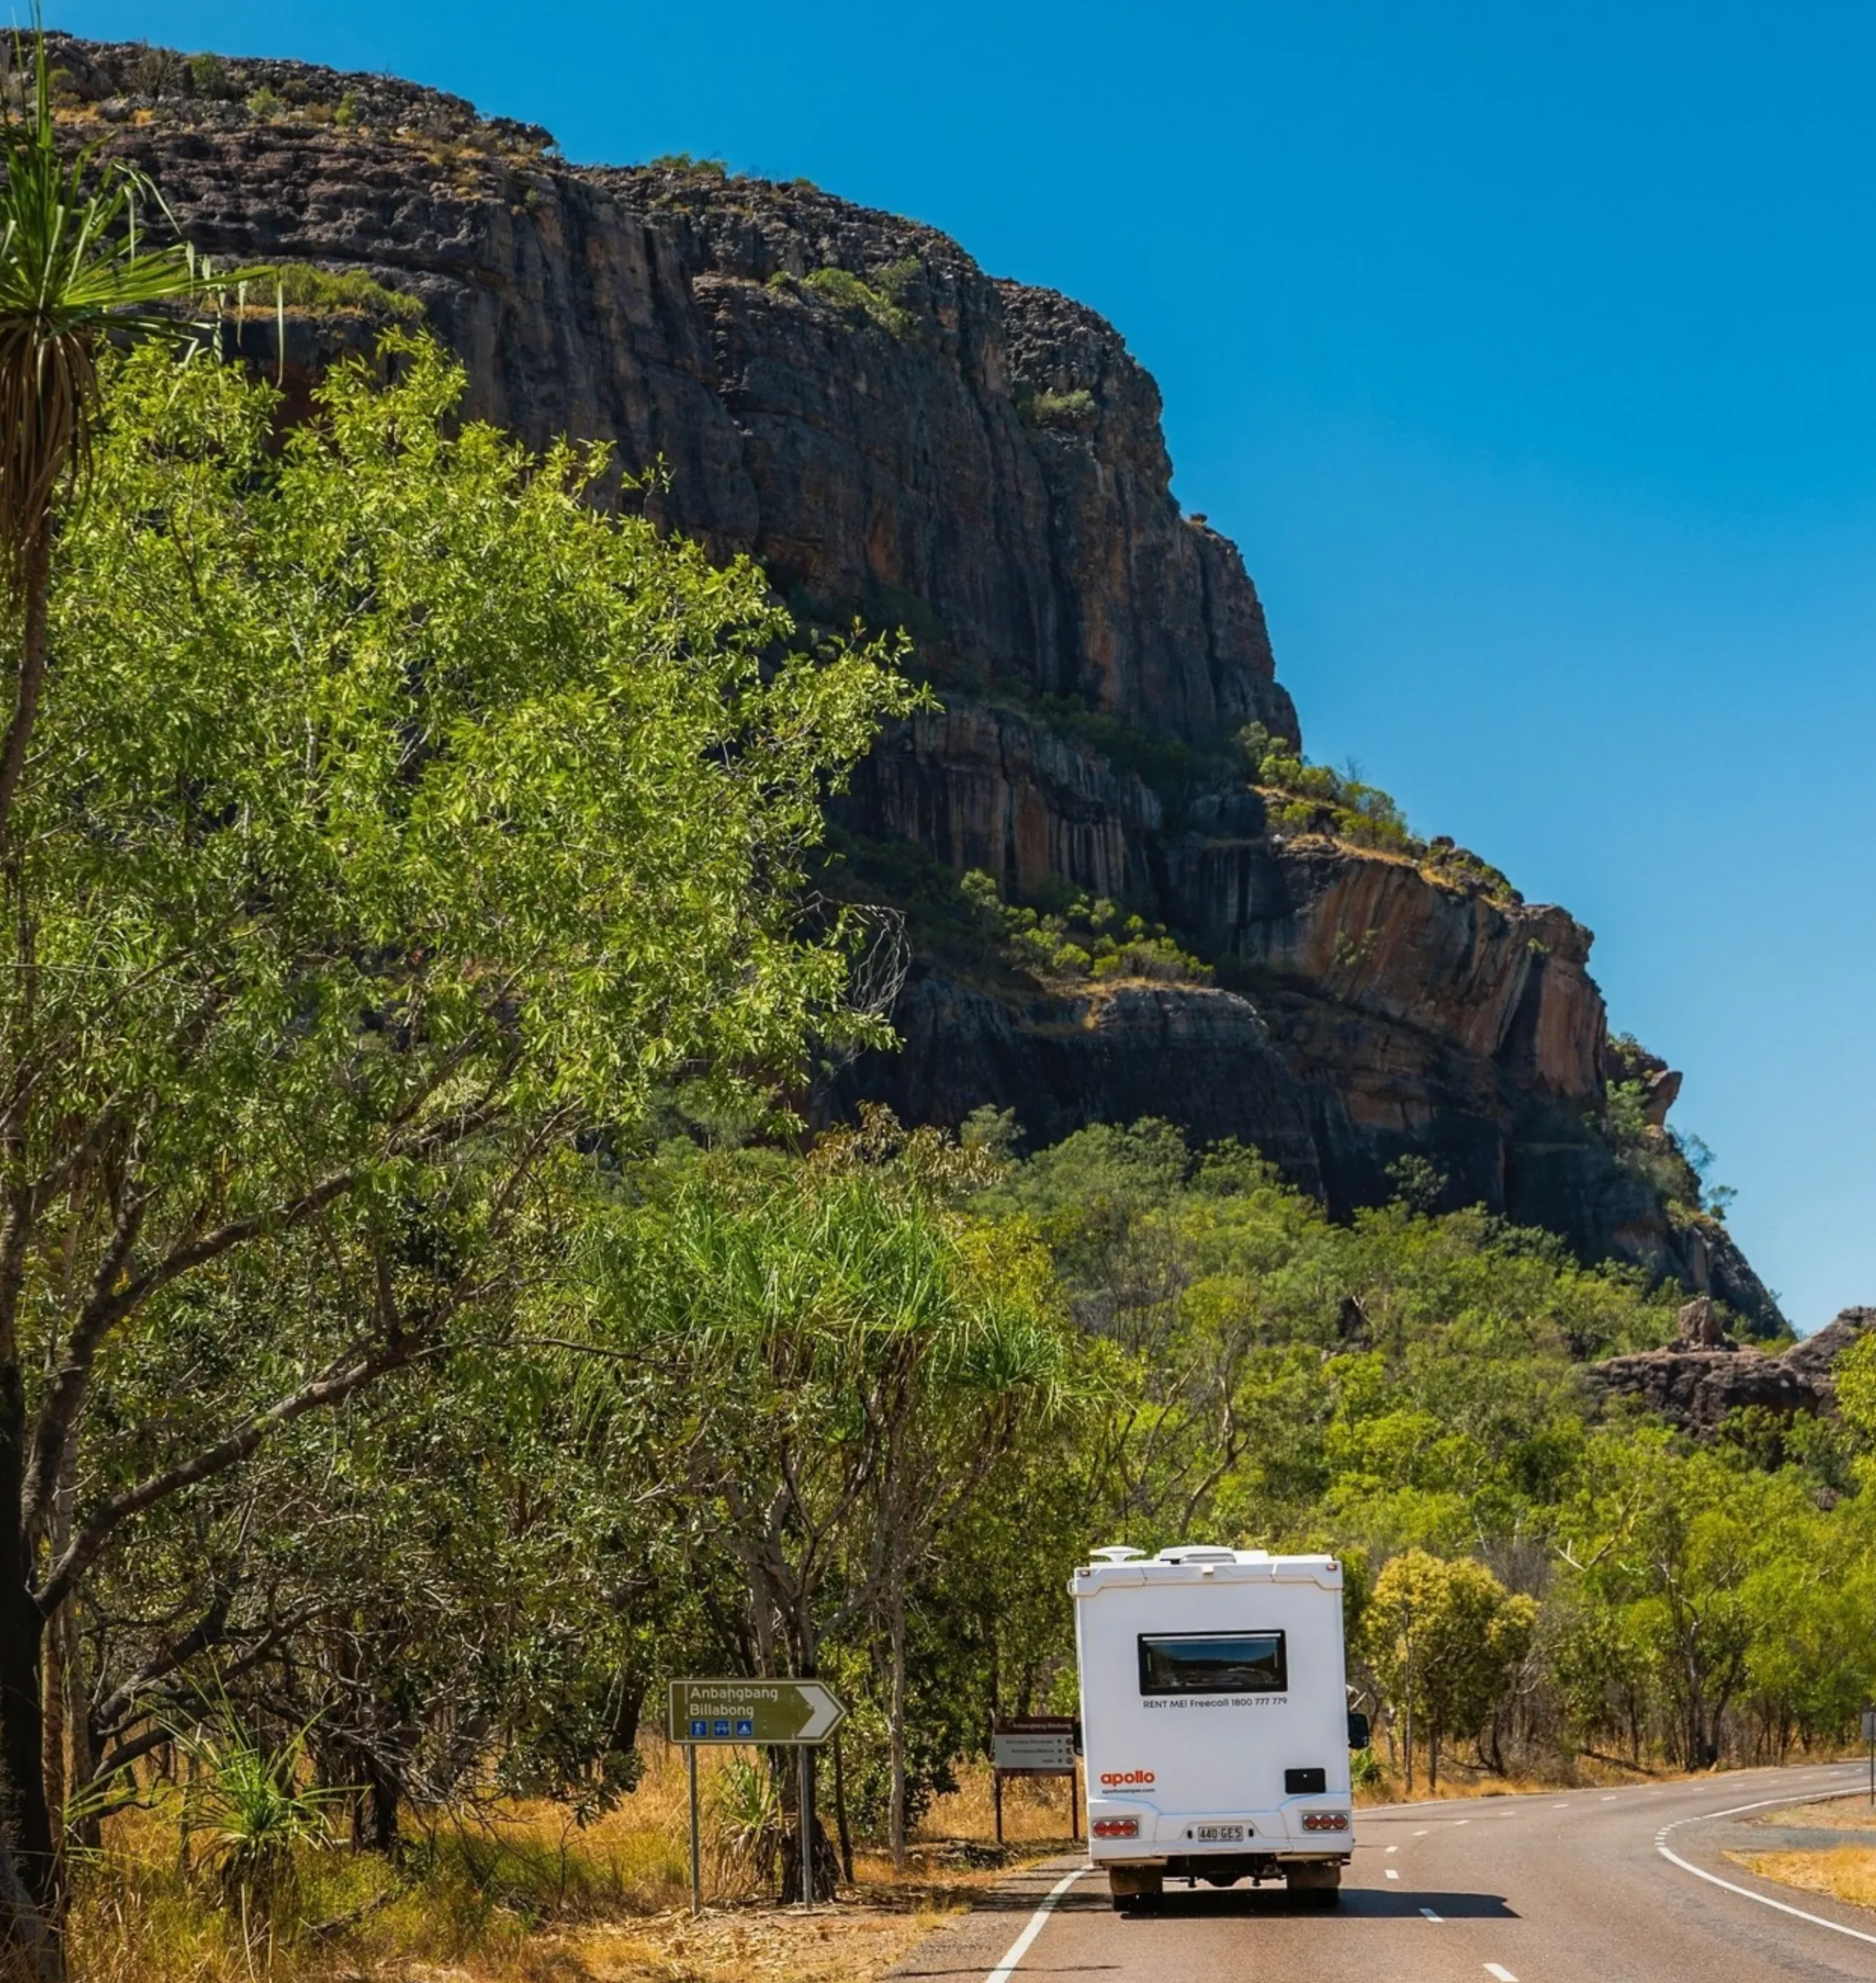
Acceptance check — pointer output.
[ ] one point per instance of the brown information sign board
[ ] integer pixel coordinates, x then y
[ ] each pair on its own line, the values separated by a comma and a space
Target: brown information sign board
1033, 1745
1018, 1750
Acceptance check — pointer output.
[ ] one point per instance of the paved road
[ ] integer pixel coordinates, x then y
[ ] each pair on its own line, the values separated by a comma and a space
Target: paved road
1568, 1888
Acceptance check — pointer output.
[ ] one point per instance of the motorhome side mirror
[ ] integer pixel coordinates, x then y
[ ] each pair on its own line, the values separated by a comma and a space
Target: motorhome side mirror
1359, 1730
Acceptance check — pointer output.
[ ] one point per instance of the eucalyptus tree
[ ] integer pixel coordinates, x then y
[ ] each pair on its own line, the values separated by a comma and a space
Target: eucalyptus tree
403, 825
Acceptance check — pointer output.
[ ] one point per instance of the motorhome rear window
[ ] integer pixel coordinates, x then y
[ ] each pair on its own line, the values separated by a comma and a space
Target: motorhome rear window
1213, 1663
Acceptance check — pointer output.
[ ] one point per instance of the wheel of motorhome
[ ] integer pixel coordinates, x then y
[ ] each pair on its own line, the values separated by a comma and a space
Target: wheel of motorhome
1214, 1720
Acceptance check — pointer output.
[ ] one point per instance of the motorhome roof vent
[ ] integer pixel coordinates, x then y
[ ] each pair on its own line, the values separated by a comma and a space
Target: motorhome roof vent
1118, 1552
1197, 1552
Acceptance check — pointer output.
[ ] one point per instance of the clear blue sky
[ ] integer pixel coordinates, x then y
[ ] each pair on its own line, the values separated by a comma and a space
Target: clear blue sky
1529, 353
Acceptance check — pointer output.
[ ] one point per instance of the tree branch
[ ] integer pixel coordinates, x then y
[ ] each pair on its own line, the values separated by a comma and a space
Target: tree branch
346, 1374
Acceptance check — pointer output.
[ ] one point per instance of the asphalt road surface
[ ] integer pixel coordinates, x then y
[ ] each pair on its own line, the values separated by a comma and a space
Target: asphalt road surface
1573, 1887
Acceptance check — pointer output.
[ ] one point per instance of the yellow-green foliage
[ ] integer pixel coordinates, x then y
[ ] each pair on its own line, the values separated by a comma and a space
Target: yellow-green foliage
847, 291
1075, 408
1089, 938
310, 290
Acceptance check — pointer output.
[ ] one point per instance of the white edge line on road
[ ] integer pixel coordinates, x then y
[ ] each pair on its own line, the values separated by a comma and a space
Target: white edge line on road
1020, 1947
1429, 1914
1763, 1900
1498, 1970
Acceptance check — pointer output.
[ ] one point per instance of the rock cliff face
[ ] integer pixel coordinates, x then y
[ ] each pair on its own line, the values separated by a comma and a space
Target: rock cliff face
847, 397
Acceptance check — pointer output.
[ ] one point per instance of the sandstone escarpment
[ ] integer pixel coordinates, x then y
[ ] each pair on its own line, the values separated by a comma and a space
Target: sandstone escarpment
842, 394
846, 397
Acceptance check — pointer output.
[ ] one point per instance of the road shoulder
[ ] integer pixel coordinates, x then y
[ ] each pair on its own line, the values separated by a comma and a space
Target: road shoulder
968, 1948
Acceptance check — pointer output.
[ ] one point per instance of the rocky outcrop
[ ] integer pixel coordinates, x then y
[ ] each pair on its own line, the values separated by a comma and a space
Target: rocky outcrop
1704, 1374
846, 397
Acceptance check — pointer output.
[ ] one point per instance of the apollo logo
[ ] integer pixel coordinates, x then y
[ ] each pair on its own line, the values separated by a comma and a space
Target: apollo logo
1110, 1777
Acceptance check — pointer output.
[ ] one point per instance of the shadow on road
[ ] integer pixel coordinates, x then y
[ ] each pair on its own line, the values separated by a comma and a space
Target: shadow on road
1371, 1903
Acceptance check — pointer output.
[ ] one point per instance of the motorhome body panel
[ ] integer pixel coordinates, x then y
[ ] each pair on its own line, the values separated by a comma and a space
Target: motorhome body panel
1215, 1704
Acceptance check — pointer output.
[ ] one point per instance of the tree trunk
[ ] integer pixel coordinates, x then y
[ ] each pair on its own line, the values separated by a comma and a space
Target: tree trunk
34, 1902
52, 1736
37, 572
61, 1664
89, 1829
1406, 1743
839, 1810
896, 1730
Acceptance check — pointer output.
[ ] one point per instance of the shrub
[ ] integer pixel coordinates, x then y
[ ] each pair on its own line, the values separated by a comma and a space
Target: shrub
1088, 938
845, 290
314, 291
264, 103
702, 168
1075, 408
1313, 798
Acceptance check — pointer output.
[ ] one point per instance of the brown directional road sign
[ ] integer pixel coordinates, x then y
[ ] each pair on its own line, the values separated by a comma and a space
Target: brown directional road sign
770, 1711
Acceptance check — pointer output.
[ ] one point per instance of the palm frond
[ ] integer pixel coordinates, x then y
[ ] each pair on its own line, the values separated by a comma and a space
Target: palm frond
74, 269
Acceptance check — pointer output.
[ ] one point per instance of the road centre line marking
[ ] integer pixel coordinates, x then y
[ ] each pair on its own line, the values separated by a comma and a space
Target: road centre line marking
1020, 1947
1392, 1875
1394, 1848
1764, 1900
1498, 1970
1421, 1833
1429, 1914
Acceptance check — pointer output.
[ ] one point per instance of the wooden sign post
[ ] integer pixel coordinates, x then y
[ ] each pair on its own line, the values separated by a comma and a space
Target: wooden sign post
1035, 1745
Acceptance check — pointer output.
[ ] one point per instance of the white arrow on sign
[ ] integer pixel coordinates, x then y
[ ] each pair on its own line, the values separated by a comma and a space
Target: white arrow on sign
825, 1711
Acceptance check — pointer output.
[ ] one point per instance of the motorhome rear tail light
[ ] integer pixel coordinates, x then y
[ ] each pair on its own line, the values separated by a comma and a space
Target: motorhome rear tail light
1325, 1821
1117, 1828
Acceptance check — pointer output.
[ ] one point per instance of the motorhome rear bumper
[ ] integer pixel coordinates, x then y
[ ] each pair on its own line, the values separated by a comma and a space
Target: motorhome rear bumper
1147, 1852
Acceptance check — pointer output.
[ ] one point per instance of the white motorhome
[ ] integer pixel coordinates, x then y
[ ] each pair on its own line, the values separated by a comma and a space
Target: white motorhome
1215, 1719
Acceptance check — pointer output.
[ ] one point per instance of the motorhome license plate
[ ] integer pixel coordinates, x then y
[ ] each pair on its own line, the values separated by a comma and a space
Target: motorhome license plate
1217, 1834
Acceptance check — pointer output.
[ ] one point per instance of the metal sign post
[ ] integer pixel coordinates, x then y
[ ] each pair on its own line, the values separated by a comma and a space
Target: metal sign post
696, 1858
1035, 1745
798, 1714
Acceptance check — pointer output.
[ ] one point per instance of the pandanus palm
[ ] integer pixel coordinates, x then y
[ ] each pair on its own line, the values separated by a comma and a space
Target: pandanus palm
76, 270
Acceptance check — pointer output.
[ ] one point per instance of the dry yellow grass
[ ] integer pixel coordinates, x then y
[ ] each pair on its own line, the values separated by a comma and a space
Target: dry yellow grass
525, 1895
1841, 1872
1837, 1814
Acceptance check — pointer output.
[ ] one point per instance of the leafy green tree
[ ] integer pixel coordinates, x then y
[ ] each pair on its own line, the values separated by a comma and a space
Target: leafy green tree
399, 823
1445, 1640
